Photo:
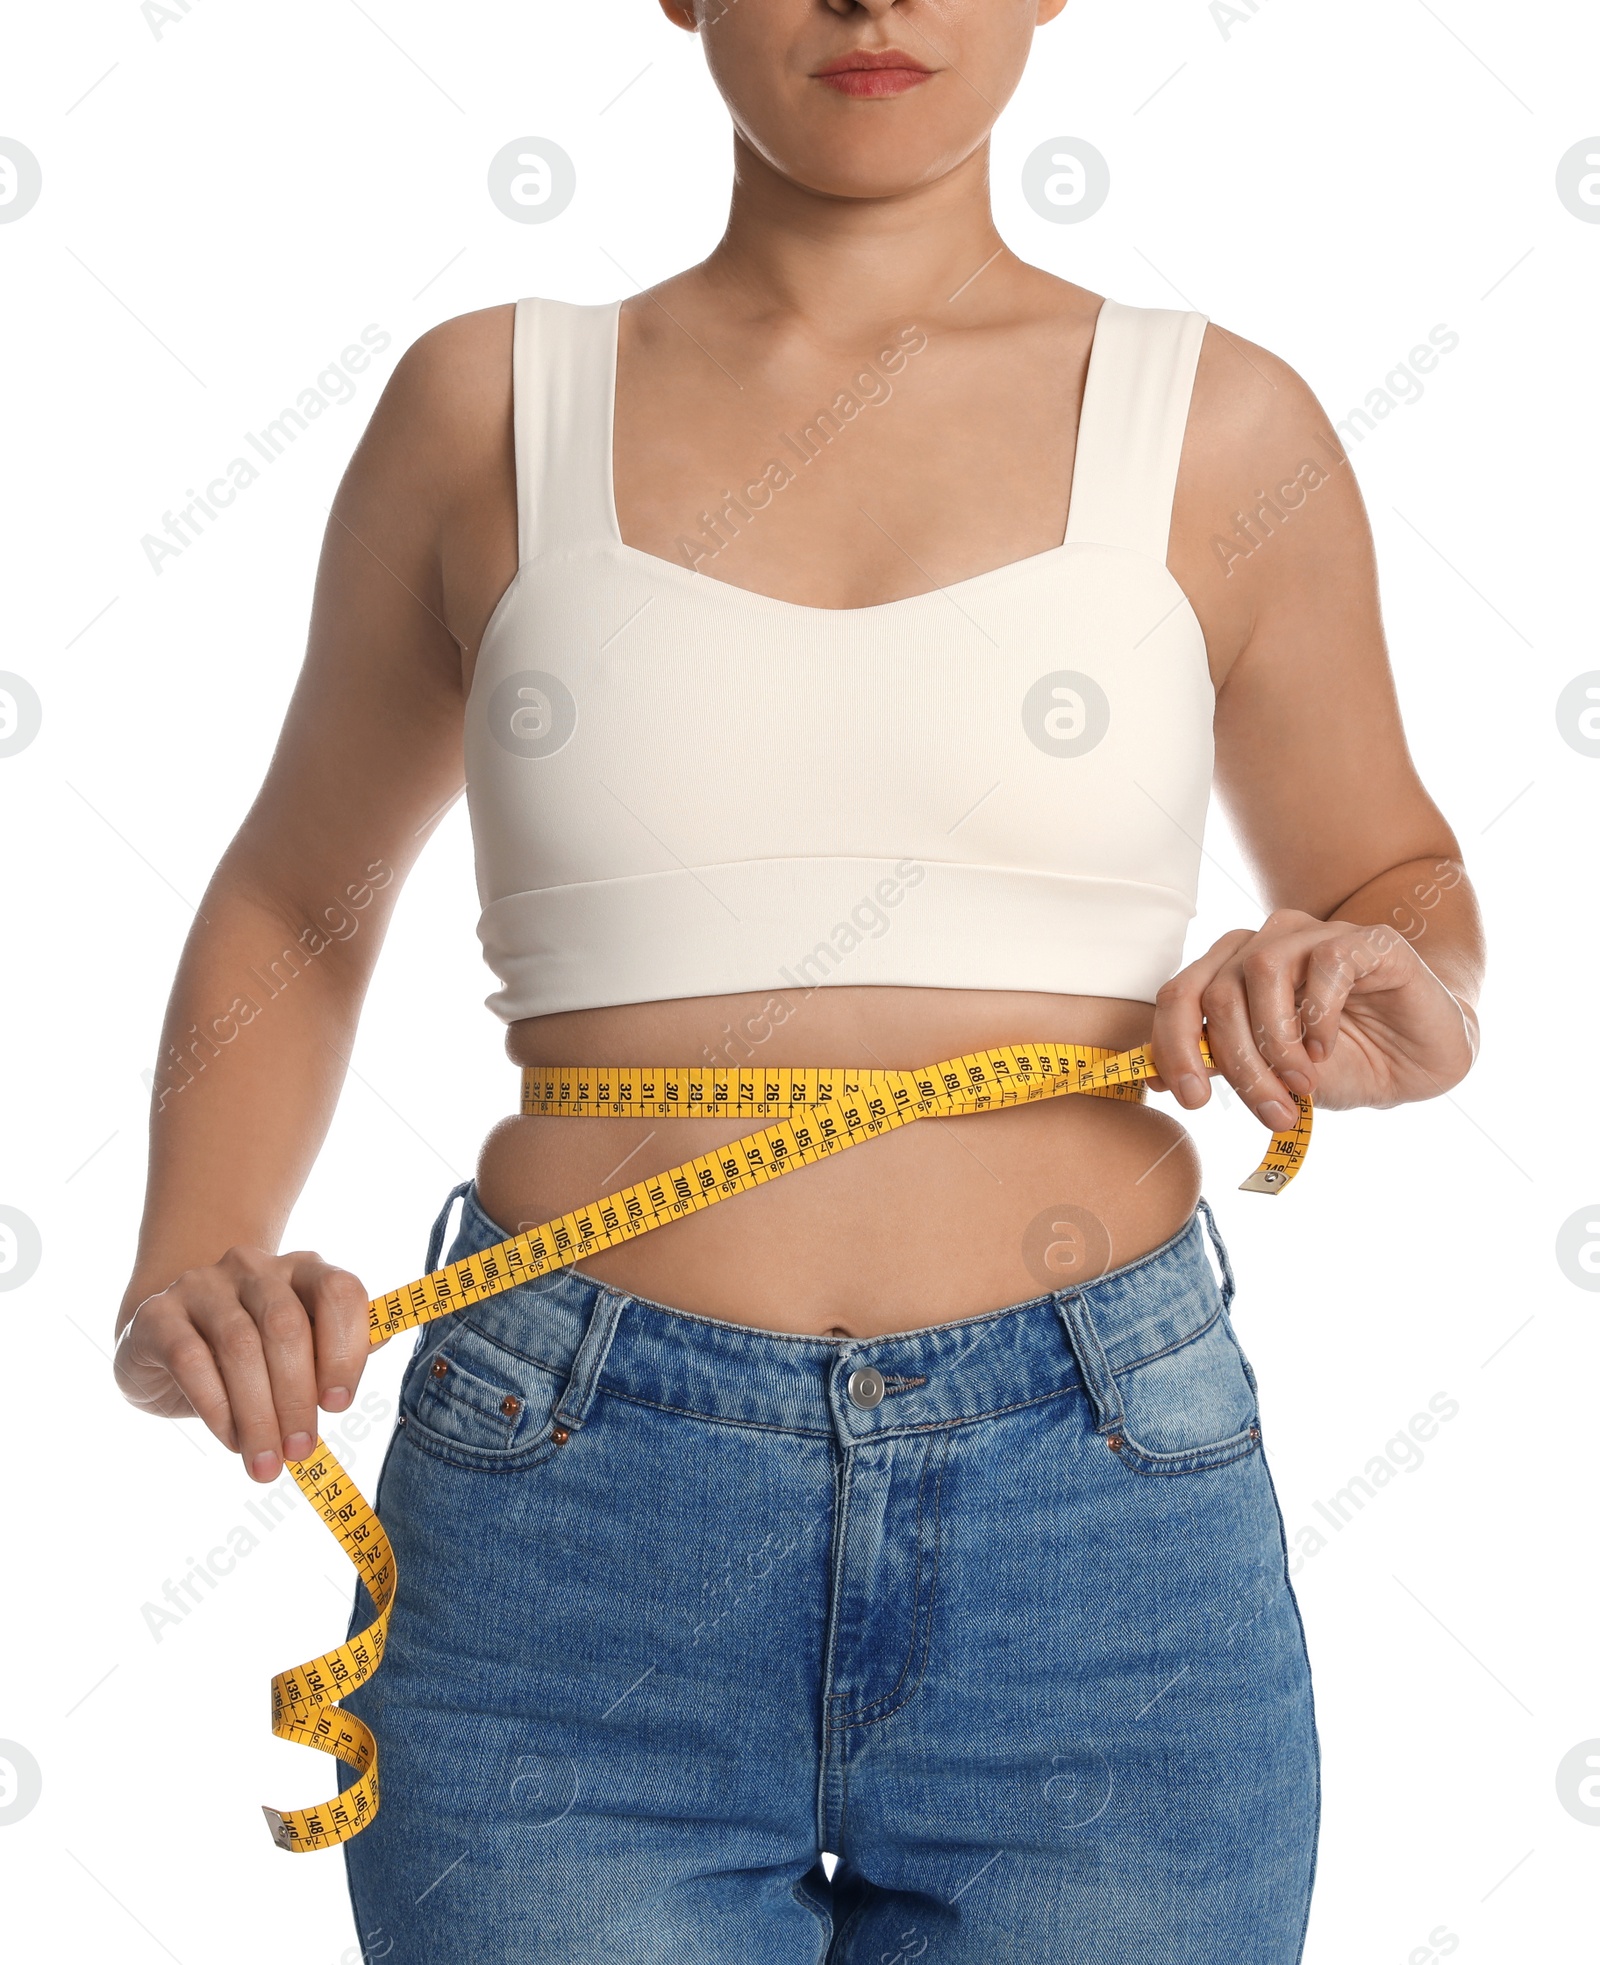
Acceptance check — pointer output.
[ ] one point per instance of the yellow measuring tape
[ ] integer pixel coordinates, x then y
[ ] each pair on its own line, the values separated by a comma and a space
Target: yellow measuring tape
818, 1112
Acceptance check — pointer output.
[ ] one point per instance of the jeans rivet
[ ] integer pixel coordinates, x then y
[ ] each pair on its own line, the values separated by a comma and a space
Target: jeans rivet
439, 1367
1114, 1441
865, 1388
560, 1435
510, 1406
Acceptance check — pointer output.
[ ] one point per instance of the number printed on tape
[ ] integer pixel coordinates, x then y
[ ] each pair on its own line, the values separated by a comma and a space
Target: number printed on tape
846, 1107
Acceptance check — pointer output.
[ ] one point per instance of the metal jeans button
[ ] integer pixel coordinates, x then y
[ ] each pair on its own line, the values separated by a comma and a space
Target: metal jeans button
865, 1387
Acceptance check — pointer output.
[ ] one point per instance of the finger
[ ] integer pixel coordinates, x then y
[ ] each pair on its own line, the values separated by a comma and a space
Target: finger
166, 1367
341, 1327
1336, 966
1273, 972
235, 1341
1175, 1036
1231, 1036
286, 1345
1159, 1084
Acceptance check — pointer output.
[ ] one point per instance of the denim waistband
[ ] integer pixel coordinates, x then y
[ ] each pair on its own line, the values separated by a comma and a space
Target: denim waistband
604, 1339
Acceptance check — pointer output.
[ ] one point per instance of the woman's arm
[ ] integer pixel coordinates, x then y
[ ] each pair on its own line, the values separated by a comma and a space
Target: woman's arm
264, 1009
1361, 984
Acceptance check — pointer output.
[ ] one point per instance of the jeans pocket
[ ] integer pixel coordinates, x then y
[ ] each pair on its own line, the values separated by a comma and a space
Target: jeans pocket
478, 1402
1189, 1409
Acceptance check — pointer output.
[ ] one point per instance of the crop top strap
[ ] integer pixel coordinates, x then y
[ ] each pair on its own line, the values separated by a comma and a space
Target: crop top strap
1130, 432
563, 378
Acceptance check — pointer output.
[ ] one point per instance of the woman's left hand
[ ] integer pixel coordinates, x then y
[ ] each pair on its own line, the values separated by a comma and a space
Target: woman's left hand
1344, 1010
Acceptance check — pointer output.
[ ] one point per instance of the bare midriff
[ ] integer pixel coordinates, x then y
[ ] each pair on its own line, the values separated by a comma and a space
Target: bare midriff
937, 1220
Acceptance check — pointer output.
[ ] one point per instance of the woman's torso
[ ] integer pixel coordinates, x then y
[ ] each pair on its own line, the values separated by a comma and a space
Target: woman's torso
956, 491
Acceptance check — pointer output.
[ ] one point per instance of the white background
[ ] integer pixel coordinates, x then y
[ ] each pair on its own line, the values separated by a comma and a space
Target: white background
226, 205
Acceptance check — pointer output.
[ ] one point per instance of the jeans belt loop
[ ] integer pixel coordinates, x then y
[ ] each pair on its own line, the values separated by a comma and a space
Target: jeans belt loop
436, 1235
1222, 1253
1094, 1368
589, 1361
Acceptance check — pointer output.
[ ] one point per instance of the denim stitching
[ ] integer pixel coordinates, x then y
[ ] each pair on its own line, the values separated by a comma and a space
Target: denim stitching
904, 1383
888, 1432
916, 1610
1167, 1350
1311, 1699
819, 1910
819, 1433
844, 1477
516, 1351
515, 1462
1196, 1460
851, 1924
927, 1634
1200, 1456
452, 1400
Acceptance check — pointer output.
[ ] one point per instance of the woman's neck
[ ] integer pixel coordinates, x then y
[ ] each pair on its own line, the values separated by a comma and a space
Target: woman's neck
847, 264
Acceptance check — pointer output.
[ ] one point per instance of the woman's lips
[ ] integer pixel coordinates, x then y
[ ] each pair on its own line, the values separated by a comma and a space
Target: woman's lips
873, 75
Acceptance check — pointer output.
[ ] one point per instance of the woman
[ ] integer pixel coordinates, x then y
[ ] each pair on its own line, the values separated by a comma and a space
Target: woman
840, 637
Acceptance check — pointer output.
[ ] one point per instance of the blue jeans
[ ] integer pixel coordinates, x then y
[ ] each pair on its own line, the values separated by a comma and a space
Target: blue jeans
996, 1610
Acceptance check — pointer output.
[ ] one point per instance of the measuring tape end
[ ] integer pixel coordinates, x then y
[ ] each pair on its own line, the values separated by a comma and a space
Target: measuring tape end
1265, 1180
282, 1834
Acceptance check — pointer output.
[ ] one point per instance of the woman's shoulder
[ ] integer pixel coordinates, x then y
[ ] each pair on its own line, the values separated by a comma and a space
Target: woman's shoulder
1247, 399
443, 426
1257, 444
1251, 409
484, 336
456, 376
445, 412
462, 363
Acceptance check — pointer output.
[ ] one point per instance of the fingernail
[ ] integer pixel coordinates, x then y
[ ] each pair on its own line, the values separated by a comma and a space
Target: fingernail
1316, 1050
1297, 1081
264, 1465
1191, 1090
336, 1398
1277, 1114
297, 1446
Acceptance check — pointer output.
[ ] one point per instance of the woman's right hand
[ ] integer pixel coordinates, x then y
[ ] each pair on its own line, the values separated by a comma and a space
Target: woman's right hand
253, 1345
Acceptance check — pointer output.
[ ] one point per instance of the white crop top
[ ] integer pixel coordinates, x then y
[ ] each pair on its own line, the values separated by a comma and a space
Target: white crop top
680, 788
